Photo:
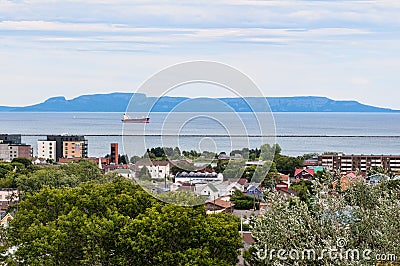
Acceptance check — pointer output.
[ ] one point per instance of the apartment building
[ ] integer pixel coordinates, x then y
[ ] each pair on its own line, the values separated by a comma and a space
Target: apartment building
46, 149
73, 149
77, 150
11, 151
347, 163
10, 138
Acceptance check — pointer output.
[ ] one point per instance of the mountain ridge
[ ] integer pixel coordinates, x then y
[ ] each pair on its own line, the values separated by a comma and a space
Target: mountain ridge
118, 101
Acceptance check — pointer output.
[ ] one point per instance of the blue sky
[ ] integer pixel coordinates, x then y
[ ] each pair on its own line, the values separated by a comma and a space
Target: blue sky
339, 49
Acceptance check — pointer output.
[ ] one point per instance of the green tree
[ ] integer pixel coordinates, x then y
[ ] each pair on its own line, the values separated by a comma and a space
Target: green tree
366, 217
286, 164
144, 174
123, 159
26, 162
116, 224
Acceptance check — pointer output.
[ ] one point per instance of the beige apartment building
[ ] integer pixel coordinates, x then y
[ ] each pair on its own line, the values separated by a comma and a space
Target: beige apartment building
73, 149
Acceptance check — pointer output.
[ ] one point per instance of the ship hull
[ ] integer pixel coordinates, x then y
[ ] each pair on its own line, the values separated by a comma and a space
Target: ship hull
136, 120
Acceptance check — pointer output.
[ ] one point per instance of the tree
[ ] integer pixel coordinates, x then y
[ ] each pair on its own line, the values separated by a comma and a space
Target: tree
144, 174
26, 162
177, 153
67, 175
365, 217
286, 164
134, 159
123, 159
116, 224
182, 166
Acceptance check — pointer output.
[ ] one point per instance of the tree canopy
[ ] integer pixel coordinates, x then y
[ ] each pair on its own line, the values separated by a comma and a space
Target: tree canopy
115, 223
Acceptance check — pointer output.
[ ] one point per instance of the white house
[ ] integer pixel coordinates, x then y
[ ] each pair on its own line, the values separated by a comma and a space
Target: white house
157, 169
217, 190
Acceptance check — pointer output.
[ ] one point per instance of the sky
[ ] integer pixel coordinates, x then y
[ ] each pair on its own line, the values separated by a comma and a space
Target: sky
344, 50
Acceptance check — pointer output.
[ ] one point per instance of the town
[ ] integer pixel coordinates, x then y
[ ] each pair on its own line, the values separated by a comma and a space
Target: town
163, 169
246, 184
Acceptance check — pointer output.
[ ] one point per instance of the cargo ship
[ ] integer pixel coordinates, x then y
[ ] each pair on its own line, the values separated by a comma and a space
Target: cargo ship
127, 119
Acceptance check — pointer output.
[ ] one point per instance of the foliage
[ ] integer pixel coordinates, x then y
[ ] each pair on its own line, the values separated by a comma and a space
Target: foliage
116, 224
182, 198
324, 177
379, 170
286, 164
268, 152
308, 156
68, 175
123, 159
182, 166
26, 162
304, 190
144, 174
242, 202
191, 154
233, 170
366, 217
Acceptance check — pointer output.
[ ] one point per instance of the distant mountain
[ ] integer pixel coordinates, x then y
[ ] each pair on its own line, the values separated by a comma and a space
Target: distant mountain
117, 102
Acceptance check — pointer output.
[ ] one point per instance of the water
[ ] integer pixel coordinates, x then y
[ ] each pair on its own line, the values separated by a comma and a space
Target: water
382, 129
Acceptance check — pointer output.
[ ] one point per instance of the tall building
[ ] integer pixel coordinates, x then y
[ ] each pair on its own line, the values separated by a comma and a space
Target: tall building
77, 139
73, 149
114, 153
46, 149
10, 138
362, 163
11, 151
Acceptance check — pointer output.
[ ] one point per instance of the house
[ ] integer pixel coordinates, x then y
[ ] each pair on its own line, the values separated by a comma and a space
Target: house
254, 191
378, 178
303, 174
287, 193
248, 239
5, 219
157, 169
219, 205
128, 173
217, 190
210, 191
346, 180
8, 195
311, 162
284, 182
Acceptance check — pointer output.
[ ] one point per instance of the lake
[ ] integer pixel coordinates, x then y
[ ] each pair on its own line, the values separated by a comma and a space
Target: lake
297, 133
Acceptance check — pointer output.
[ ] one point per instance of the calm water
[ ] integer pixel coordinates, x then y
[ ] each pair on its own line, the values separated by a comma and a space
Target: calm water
374, 125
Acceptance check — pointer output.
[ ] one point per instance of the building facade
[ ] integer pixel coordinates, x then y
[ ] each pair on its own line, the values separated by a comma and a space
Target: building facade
114, 153
157, 169
10, 138
46, 150
73, 149
362, 163
60, 148
10, 151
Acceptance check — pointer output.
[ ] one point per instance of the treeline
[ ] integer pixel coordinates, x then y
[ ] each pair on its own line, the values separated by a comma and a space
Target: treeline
74, 215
